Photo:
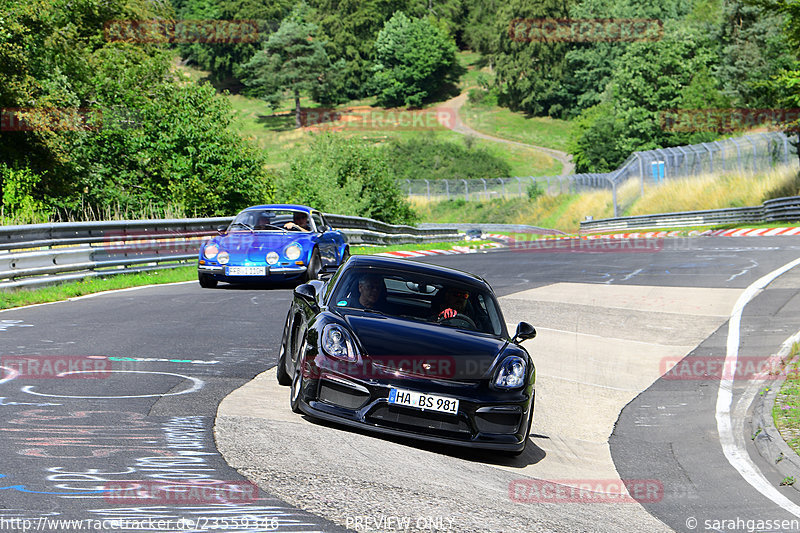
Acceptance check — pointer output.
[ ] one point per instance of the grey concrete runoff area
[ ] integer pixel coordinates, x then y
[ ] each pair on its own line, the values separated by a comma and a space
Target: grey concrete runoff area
586, 375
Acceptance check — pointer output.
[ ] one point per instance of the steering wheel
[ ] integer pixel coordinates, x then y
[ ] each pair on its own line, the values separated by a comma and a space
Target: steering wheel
460, 320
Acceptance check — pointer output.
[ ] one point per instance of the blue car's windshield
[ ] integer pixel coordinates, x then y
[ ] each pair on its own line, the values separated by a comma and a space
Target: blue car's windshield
416, 296
273, 220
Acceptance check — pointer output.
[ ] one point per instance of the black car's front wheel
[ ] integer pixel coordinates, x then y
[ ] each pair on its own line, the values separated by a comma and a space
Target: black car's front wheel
283, 377
297, 386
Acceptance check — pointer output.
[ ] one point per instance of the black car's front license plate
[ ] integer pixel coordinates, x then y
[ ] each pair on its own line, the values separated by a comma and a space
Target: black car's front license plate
425, 402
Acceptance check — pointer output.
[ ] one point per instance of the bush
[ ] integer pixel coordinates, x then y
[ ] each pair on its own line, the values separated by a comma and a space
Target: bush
428, 158
534, 190
340, 175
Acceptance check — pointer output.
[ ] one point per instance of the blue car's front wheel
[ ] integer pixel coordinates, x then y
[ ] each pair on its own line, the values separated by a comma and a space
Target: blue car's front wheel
314, 266
206, 281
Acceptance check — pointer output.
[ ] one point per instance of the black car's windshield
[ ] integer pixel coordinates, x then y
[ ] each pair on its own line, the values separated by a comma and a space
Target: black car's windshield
272, 220
415, 296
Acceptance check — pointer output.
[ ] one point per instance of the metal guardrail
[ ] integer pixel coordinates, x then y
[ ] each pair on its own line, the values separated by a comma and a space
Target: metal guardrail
779, 209
42, 254
518, 228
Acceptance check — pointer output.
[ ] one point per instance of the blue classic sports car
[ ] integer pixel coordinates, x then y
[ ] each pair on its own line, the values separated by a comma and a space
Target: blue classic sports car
271, 243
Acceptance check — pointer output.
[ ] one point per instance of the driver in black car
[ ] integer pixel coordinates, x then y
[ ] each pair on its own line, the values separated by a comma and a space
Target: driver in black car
454, 302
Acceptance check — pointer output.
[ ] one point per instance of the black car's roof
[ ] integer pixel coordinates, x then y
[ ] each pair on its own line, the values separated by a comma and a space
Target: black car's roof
405, 265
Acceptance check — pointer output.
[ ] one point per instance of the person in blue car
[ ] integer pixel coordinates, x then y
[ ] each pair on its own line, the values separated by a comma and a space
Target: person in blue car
300, 222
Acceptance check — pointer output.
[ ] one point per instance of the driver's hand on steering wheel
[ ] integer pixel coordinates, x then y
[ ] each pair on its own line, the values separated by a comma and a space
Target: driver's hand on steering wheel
447, 313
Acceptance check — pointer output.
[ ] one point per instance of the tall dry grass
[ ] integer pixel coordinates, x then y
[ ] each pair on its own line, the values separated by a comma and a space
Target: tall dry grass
717, 191
87, 213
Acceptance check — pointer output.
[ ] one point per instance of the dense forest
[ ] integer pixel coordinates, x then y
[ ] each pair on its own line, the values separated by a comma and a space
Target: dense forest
108, 120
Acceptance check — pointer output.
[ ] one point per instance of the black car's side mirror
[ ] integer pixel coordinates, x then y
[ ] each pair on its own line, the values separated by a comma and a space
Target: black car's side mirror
222, 229
524, 332
307, 293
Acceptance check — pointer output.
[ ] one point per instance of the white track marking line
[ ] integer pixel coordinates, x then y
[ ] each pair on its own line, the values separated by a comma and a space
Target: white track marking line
197, 384
733, 447
12, 373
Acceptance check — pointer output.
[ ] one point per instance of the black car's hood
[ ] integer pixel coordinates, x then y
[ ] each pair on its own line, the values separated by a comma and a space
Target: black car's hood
419, 348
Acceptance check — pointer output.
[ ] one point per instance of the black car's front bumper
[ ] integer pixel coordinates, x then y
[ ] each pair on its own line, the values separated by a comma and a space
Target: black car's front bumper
493, 422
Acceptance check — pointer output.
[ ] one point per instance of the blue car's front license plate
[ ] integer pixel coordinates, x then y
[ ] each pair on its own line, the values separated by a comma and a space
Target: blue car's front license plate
425, 402
246, 271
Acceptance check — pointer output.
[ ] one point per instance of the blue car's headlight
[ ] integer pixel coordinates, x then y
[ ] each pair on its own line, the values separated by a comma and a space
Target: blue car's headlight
223, 258
337, 343
293, 252
511, 373
210, 251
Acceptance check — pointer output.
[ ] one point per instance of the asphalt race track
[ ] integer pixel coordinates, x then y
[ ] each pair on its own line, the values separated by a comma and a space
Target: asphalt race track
162, 360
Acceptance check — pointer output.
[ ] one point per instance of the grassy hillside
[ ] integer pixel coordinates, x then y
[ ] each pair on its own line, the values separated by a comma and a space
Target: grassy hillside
274, 129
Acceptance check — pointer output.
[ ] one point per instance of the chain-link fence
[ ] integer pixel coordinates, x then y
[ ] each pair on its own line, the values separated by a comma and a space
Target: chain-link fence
653, 167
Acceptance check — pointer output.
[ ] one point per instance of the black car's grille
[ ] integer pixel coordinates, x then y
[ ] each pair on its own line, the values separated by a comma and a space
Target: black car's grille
336, 394
501, 423
402, 418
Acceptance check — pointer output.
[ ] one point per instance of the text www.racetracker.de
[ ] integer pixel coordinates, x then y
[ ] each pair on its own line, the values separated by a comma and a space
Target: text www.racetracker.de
145, 524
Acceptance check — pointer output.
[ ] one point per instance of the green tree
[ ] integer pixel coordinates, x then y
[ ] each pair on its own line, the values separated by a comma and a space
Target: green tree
293, 60
223, 58
650, 78
529, 72
351, 27
134, 134
413, 60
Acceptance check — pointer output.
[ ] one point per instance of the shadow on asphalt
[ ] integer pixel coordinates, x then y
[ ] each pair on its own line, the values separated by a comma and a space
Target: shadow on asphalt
532, 454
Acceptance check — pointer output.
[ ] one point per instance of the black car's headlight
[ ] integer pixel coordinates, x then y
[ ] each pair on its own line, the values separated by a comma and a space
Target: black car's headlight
511, 373
336, 342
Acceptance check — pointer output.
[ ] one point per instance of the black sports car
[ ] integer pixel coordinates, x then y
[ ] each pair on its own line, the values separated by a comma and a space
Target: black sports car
410, 349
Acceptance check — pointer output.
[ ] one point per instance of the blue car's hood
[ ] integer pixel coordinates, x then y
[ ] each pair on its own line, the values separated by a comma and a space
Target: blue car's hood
244, 245
402, 344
